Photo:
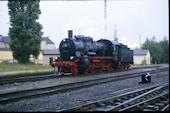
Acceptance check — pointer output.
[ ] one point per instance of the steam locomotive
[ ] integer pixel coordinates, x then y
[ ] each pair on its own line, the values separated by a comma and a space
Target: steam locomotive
83, 55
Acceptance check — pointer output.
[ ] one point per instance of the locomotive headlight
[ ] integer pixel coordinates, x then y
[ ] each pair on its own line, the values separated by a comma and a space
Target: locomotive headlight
56, 58
71, 57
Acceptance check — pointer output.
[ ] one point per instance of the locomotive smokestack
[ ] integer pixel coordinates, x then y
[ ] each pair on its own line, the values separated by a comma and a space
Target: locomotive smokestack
70, 34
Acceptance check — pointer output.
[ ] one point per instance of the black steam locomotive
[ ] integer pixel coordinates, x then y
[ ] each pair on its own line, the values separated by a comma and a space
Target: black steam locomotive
83, 55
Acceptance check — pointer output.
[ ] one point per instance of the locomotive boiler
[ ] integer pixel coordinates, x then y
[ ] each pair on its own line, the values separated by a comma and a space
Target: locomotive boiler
83, 55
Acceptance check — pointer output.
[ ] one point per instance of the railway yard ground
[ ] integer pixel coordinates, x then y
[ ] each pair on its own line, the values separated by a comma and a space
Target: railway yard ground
55, 92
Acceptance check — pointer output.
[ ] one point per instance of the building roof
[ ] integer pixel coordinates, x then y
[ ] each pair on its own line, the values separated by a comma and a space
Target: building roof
6, 39
140, 51
48, 41
50, 52
5, 49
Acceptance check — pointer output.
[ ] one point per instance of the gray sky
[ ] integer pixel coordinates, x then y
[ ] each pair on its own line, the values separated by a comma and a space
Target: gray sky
131, 17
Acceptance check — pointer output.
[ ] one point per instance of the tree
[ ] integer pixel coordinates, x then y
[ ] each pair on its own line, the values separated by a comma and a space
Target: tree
159, 50
165, 46
154, 48
25, 32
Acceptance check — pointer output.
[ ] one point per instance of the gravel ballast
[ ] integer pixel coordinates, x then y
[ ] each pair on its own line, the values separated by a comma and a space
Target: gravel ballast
73, 98
64, 80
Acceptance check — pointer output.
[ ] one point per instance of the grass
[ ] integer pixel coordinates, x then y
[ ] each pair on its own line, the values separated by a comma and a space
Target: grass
6, 67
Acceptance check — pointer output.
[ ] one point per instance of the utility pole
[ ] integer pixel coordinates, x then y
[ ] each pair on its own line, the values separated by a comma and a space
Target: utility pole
139, 40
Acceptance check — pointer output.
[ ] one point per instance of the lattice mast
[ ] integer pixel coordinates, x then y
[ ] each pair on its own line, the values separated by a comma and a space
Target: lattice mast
115, 34
105, 14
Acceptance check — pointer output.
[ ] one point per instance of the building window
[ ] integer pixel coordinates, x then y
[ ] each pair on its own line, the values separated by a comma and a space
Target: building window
50, 60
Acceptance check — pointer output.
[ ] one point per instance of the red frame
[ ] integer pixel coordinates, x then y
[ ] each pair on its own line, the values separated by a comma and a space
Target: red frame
98, 64
73, 66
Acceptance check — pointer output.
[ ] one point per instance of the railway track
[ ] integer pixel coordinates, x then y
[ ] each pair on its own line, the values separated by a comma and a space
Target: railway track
9, 80
157, 103
148, 99
32, 93
5, 80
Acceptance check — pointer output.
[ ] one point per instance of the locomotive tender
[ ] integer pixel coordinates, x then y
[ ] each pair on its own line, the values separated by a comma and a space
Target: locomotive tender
83, 55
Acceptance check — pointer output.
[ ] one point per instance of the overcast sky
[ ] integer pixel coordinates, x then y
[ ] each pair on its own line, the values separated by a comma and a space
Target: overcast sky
131, 18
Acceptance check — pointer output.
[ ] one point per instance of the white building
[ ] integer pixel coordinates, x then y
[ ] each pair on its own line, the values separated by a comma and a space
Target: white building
141, 57
50, 55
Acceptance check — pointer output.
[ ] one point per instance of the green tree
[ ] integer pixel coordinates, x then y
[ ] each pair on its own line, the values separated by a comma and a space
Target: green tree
165, 47
154, 48
25, 32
